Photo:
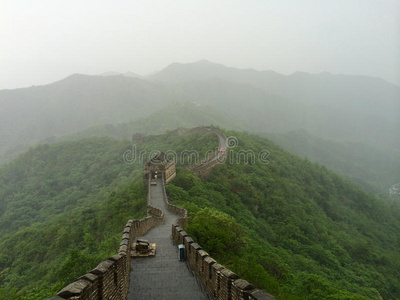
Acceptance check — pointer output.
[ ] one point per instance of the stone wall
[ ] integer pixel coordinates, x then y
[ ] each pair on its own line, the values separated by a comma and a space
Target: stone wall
204, 167
110, 279
176, 210
219, 282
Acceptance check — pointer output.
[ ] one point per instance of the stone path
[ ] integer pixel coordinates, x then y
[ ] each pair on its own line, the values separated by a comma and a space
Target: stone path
163, 276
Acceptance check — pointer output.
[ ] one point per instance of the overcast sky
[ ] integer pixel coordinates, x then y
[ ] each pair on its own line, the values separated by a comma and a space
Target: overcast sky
45, 41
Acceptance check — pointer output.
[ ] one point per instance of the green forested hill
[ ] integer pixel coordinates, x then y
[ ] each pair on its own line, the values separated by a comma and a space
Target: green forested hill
293, 227
63, 208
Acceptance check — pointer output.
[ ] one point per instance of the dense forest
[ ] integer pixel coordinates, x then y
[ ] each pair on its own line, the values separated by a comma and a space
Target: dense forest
293, 227
63, 207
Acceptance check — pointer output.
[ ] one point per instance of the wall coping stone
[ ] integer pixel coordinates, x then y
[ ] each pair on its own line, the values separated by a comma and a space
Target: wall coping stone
203, 253
89, 277
115, 257
183, 233
228, 273
196, 246
243, 284
217, 266
102, 267
210, 260
123, 248
74, 289
124, 242
262, 295
188, 239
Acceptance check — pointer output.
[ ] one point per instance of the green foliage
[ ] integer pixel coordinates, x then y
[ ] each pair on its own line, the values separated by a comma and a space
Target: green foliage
217, 231
63, 208
302, 231
62, 249
53, 179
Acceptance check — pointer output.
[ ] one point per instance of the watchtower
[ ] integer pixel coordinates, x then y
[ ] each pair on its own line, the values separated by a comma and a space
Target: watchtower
160, 165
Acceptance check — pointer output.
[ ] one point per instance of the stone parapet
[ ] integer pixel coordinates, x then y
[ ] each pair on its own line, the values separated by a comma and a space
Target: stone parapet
219, 282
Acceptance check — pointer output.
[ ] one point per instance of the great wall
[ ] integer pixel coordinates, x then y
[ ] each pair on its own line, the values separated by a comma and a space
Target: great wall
121, 277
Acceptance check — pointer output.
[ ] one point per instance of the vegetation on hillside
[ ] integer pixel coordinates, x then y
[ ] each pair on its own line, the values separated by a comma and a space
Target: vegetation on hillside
293, 227
63, 208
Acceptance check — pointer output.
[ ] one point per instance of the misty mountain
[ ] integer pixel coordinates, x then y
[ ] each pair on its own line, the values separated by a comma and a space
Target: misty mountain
176, 114
355, 109
368, 166
374, 169
127, 74
31, 114
340, 107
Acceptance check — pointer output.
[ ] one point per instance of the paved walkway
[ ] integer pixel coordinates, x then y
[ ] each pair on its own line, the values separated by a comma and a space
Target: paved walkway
163, 276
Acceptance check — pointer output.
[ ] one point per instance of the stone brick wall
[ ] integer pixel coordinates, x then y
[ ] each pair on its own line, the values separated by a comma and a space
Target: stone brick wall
205, 166
220, 283
175, 209
205, 169
110, 279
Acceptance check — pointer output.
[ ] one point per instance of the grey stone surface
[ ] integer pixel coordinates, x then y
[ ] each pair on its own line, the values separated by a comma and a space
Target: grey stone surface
163, 276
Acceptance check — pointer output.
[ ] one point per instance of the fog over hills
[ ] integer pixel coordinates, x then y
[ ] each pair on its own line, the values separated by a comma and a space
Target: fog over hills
74, 104
176, 114
337, 107
340, 107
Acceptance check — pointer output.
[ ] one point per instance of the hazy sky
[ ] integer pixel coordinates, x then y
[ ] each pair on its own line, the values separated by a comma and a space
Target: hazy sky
45, 41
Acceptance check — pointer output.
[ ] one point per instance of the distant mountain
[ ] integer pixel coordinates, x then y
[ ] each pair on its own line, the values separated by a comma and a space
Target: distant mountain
340, 107
128, 74
73, 104
174, 115
374, 169
204, 69
337, 107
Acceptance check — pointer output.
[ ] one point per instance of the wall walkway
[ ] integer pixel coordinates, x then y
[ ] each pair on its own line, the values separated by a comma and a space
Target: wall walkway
162, 276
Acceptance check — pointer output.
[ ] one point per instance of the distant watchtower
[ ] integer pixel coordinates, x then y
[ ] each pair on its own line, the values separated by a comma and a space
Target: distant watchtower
160, 165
